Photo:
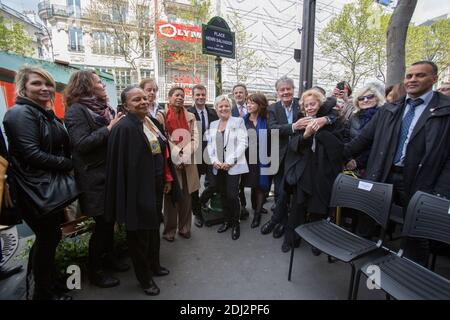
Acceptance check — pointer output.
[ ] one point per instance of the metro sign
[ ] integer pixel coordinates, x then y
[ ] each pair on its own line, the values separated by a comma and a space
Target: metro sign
179, 32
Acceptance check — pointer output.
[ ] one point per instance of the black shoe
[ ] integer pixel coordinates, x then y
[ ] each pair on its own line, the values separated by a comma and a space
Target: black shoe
224, 227
268, 227
160, 272
8, 272
244, 213
114, 264
316, 252
236, 232
264, 211
256, 220
199, 221
285, 247
152, 290
103, 280
278, 231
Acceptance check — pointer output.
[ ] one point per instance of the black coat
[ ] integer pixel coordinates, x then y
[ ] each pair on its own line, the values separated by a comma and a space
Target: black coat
130, 177
427, 160
39, 151
89, 142
313, 173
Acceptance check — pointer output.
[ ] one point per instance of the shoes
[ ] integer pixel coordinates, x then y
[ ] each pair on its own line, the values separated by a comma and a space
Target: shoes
236, 232
198, 220
152, 290
186, 235
160, 272
101, 279
224, 227
244, 213
256, 220
115, 265
316, 252
278, 231
170, 239
8, 272
264, 211
286, 246
268, 227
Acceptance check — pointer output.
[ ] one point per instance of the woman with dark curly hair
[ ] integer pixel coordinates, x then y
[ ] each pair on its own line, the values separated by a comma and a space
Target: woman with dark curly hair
89, 120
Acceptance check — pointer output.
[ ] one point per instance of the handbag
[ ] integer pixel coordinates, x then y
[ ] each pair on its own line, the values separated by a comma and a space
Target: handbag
9, 214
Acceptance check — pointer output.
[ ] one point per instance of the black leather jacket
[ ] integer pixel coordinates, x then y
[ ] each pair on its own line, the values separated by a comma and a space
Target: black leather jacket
39, 151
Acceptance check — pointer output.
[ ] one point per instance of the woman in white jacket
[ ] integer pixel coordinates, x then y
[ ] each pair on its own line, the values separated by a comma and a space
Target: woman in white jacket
227, 141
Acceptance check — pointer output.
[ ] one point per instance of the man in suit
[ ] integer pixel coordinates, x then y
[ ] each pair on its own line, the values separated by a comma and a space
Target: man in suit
283, 117
240, 95
410, 144
204, 116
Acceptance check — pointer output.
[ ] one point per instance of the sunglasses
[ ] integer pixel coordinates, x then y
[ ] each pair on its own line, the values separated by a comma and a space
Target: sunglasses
368, 97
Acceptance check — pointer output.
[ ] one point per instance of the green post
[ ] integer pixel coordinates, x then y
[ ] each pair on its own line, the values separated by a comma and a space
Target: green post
218, 76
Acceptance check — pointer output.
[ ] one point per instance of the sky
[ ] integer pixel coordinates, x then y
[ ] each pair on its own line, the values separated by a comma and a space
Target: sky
425, 9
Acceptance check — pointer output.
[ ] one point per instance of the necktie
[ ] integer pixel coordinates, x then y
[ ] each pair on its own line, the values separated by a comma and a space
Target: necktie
203, 122
406, 123
241, 111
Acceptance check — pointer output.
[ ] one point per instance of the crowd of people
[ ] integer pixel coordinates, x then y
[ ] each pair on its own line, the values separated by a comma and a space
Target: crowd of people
140, 165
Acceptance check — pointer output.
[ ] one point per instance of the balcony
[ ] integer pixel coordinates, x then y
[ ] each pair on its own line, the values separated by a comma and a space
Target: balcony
75, 48
46, 10
174, 7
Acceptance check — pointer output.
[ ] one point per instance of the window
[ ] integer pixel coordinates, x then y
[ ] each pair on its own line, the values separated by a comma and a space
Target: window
146, 48
123, 79
101, 43
76, 40
119, 12
74, 8
147, 73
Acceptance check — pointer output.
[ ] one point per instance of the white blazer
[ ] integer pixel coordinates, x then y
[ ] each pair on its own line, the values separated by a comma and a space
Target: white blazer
235, 143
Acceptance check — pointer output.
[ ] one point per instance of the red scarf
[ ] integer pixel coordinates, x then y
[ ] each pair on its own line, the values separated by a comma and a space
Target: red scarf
174, 121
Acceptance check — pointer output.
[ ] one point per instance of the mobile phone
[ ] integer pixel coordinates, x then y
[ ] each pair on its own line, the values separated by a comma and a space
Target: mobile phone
340, 86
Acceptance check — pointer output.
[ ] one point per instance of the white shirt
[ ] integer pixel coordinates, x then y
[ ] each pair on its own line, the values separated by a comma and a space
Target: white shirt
244, 109
205, 114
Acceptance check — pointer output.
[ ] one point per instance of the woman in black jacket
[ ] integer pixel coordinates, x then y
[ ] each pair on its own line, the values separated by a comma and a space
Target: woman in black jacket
312, 164
39, 152
89, 120
138, 169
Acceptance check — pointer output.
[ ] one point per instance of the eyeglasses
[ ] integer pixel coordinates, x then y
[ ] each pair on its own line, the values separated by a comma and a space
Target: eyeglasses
368, 97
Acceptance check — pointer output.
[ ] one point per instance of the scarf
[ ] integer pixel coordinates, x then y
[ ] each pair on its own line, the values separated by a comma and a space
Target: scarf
100, 110
261, 124
366, 114
174, 121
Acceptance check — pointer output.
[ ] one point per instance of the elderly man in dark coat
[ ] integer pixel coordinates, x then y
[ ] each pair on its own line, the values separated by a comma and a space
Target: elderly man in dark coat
410, 144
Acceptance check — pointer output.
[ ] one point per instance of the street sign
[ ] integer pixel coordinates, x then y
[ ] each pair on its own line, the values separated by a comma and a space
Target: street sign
218, 39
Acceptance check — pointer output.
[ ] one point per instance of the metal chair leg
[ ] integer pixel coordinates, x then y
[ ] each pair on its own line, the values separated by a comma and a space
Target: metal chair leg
356, 285
352, 280
290, 263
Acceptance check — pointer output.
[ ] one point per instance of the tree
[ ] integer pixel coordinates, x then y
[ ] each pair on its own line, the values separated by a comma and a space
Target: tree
126, 24
429, 42
187, 56
396, 40
247, 60
13, 38
351, 40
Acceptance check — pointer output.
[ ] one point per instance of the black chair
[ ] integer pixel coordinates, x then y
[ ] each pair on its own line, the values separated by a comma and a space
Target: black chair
371, 198
427, 217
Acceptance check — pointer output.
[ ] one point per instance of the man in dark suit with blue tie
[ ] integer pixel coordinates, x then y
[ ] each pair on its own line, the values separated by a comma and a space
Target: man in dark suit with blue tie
410, 144
204, 116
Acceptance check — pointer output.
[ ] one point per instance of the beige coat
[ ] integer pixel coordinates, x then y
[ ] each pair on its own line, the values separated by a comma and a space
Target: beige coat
185, 154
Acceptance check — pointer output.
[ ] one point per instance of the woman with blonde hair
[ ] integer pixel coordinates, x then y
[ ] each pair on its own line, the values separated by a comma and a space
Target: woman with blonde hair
366, 101
39, 151
313, 161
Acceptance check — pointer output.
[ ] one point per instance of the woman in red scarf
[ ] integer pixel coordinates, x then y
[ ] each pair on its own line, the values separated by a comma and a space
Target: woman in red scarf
183, 140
